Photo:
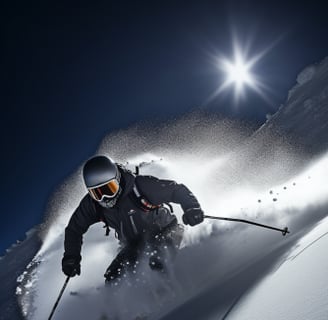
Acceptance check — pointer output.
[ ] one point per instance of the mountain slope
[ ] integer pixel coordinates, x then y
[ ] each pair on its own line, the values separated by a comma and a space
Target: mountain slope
304, 117
13, 265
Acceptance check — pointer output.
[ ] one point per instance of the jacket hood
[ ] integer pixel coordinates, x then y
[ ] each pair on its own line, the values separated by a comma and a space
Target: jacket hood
127, 182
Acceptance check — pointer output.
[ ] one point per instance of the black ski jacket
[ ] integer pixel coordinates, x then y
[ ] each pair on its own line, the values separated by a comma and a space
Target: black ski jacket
131, 223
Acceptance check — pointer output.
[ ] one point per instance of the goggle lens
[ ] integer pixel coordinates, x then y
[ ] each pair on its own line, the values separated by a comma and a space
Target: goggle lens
109, 189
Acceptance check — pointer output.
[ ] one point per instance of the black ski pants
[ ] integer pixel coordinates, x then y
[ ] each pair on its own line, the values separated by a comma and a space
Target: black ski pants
158, 249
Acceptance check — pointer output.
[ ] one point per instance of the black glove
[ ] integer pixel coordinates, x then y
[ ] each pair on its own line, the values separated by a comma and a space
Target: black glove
193, 216
71, 265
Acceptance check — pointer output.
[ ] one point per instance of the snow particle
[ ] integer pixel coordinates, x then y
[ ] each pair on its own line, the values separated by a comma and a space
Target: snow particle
19, 291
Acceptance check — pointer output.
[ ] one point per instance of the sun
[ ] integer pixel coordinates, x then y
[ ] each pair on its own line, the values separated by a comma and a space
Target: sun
239, 73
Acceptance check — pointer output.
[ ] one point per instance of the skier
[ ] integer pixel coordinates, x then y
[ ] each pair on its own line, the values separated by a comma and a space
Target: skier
134, 207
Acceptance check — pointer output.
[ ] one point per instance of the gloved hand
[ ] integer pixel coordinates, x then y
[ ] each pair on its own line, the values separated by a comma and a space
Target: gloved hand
193, 216
71, 265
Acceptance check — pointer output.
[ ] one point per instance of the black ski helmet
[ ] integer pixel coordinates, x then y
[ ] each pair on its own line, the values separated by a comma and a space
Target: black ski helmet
102, 179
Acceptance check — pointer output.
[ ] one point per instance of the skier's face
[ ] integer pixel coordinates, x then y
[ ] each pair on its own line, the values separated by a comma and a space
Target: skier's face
110, 202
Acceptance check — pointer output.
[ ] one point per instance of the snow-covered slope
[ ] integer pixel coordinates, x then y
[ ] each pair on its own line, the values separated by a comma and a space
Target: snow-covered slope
297, 289
246, 256
260, 177
12, 265
304, 117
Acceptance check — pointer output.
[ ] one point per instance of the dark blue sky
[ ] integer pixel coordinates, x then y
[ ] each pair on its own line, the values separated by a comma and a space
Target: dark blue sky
73, 72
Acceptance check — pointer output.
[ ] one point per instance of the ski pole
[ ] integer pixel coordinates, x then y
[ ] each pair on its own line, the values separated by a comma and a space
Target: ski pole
284, 231
60, 295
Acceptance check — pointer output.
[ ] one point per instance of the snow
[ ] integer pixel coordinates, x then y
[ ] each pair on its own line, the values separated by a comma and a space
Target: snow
306, 75
303, 120
12, 265
297, 290
257, 252
225, 270
213, 252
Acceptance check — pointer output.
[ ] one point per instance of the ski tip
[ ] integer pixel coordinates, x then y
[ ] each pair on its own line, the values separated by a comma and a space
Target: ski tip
285, 231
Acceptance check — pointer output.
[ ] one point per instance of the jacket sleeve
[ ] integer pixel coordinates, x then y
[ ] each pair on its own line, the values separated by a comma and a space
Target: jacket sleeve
158, 191
83, 217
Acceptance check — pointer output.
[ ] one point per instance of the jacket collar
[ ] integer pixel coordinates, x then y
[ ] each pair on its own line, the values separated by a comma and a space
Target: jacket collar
127, 182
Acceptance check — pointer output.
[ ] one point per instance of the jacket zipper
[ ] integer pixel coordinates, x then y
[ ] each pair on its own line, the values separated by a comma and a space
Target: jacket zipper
122, 233
133, 224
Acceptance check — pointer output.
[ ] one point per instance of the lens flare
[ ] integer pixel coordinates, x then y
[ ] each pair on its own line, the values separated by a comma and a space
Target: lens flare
239, 72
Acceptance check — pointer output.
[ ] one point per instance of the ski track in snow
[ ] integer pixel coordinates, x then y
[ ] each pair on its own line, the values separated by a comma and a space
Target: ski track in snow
297, 290
220, 261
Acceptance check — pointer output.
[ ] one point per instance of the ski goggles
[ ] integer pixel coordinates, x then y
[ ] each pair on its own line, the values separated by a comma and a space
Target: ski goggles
106, 190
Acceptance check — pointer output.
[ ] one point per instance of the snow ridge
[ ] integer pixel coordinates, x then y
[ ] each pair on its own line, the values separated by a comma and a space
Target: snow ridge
303, 120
